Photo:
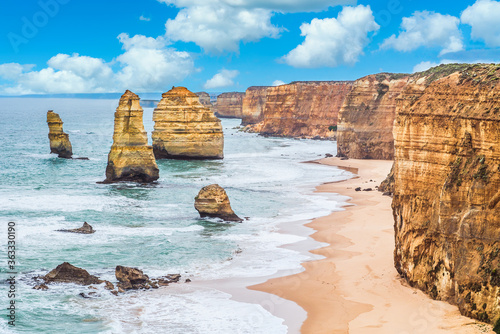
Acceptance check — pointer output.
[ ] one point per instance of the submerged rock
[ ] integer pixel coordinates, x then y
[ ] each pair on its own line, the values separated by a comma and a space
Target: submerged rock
185, 129
67, 273
212, 201
130, 158
85, 229
59, 140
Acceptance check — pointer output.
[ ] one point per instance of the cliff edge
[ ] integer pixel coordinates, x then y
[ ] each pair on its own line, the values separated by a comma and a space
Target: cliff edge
447, 180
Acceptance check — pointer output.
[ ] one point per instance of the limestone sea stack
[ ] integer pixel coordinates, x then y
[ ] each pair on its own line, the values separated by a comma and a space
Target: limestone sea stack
205, 99
185, 129
59, 141
212, 201
229, 105
130, 158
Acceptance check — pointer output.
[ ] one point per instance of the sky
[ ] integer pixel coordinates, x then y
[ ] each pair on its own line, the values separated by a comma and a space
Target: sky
89, 46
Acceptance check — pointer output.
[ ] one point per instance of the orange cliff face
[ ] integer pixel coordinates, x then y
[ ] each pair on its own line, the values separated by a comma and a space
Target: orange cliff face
229, 105
366, 118
299, 109
254, 103
447, 187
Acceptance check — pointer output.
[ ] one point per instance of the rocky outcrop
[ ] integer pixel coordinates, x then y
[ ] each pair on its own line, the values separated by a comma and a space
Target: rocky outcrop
85, 229
366, 118
67, 273
205, 99
185, 129
306, 109
229, 105
130, 278
253, 105
212, 201
447, 180
130, 158
59, 140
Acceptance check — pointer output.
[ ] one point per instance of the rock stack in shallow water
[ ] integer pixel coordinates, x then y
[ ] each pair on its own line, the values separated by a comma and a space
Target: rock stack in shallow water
59, 141
212, 201
185, 129
130, 158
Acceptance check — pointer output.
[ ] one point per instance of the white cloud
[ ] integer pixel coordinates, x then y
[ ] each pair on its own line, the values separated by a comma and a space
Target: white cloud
427, 29
423, 66
222, 79
220, 25
483, 16
332, 42
11, 71
146, 65
143, 18
278, 83
220, 28
274, 5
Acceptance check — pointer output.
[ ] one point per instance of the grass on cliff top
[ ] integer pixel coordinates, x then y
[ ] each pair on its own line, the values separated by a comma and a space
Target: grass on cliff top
467, 71
441, 71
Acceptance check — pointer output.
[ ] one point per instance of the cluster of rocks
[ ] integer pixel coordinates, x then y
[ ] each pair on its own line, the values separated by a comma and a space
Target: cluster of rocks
128, 279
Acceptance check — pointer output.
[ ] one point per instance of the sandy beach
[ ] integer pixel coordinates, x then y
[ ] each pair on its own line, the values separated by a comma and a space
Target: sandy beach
355, 288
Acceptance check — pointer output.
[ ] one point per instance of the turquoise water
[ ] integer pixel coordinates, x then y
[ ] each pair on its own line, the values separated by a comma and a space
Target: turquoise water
153, 227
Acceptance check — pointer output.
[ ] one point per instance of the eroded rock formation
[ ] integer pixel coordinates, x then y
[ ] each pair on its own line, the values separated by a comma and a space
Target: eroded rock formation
59, 140
307, 109
205, 99
212, 201
185, 129
229, 105
130, 158
253, 105
366, 118
67, 273
447, 180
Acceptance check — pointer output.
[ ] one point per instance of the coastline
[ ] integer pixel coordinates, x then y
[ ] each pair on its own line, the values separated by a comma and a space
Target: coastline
355, 288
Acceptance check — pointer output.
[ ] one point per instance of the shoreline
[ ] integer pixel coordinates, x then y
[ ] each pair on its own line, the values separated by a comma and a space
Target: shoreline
355, 287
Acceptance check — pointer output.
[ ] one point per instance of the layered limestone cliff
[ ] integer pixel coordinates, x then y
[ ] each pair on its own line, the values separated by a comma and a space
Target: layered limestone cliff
447, 180
307, 109
366, 118
130, 158
253, 105
185, 129
204, 99
229, 105
59, 140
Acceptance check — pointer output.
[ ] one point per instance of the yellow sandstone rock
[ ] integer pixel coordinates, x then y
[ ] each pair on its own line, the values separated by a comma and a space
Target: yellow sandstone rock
130, 158
212, 201
59, 141
185, 129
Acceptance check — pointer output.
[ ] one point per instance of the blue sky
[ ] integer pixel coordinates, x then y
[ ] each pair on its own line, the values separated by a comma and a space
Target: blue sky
76, 46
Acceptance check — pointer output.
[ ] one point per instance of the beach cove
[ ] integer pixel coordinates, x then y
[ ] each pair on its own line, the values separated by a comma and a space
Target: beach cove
355, 287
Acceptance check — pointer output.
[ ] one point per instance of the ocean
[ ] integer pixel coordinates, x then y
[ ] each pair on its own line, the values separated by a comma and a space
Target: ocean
152, 227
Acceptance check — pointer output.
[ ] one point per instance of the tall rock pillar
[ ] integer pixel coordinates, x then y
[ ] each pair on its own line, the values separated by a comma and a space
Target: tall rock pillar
130, 158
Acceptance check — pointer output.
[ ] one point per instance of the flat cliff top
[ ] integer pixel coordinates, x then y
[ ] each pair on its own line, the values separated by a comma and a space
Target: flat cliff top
230, 94
459, 90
